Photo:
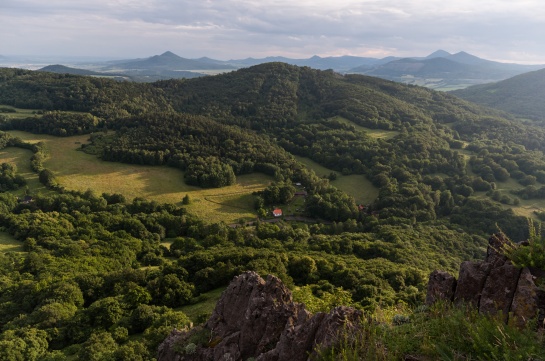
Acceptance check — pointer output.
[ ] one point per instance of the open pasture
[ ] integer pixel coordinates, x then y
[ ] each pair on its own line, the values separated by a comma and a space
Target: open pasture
19, 113
356, 185
21, 159
373, 133
526, 207
80, 171
9, 244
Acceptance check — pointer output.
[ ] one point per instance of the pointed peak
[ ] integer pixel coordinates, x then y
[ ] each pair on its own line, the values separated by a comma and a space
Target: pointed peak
169, 54
438, 54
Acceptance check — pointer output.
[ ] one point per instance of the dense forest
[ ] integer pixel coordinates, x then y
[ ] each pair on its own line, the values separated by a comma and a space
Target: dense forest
104, 275
521, 95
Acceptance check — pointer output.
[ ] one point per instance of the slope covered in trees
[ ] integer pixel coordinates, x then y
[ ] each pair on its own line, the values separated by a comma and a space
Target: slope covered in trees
439, 183
521, 95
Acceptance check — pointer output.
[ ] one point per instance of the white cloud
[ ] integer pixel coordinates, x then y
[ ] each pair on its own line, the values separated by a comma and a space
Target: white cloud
497, 29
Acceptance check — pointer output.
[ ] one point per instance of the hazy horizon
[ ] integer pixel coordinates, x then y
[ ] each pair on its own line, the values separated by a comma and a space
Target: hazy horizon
498, 30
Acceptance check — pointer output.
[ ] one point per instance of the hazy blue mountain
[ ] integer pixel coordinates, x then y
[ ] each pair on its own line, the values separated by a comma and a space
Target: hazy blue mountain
169, 61
337, 63
434, 67
61, 69
438, 54
445, 71
128, 74
439, 70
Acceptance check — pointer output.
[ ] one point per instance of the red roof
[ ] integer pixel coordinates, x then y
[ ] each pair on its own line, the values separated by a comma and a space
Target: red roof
277, 212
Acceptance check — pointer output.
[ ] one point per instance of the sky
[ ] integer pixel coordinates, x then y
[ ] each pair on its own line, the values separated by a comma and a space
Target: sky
501, 30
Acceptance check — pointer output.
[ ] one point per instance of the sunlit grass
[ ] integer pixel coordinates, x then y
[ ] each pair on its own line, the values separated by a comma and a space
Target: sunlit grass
9, 244
206, 304
373, 133
356, 185
19, 113
76, 170
21, 159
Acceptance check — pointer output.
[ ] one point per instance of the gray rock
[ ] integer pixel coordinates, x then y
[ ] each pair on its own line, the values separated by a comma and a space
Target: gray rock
525, 301
499, 289
471, 280
258, 318
441, 286
493, 252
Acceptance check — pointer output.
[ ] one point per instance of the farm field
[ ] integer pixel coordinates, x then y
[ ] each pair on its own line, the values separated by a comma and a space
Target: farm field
356, 185
77, 170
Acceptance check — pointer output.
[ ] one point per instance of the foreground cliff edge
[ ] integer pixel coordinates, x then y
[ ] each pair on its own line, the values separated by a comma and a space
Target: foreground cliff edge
492, 286
256, 319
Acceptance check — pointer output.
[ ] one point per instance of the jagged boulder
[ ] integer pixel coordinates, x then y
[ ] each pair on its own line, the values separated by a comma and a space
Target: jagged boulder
498, 291
525, 305
493, 285
258, 318
493, 252
471, 280
441, 286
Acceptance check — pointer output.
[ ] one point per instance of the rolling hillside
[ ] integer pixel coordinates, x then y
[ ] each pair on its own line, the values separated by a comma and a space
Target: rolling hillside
97, 266
522, 95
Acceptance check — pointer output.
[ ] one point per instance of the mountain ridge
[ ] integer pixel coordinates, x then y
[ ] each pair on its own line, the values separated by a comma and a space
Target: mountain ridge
452, 76
521, 95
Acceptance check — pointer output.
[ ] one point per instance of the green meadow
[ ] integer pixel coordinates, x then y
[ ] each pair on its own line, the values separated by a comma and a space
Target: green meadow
19, 113
356, 185
204, 306
76, 170
373, 133
21, 158
9, 244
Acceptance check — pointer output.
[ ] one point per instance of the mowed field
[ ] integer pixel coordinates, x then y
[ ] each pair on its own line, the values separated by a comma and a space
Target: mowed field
356, 185
76, 170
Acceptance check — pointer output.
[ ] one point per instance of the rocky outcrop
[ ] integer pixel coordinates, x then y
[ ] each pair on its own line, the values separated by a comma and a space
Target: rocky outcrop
257, 318
471, 280
493, 285
441, 286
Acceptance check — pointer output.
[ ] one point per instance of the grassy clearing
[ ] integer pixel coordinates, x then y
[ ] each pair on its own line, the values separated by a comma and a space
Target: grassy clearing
19, 113
526, 207
76, 170
206, 304
373, 133
356, 185
9, 244
21, 158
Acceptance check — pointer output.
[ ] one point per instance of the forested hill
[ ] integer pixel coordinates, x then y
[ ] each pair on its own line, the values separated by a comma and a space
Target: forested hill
439, 151
522, 95
103, 275
275, 94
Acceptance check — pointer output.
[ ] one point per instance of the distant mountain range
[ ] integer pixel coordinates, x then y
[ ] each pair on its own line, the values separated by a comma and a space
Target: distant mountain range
439, 70
522, 95
171, 62
446, 71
